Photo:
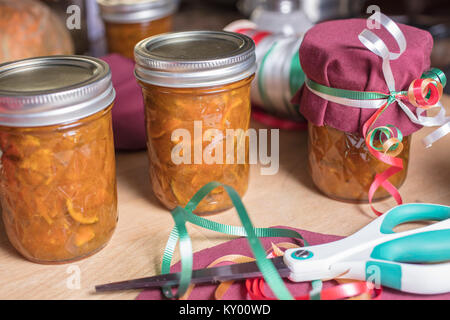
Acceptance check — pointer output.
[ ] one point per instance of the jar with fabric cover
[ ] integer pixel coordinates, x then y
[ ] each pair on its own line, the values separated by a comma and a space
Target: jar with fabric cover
349, 156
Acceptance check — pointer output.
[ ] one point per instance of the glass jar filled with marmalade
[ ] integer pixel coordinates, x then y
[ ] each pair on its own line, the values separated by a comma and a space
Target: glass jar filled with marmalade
129, 21
57, 167
359, 145
342, 167
196, 88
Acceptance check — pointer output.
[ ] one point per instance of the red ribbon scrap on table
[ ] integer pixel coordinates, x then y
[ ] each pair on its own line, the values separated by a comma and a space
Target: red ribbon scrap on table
347, 289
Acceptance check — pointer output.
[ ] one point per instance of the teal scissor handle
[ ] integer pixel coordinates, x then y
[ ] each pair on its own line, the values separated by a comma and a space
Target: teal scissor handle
413, 212
424, 247
398, 260
416, 261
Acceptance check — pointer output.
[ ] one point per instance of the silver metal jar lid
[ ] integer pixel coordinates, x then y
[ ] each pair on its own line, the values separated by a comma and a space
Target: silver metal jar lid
195, 59
53, 90
133, 11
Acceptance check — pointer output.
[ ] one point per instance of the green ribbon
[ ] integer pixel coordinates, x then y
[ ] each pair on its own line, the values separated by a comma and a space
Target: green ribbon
179, 232
365, 95
435, 74
347, 94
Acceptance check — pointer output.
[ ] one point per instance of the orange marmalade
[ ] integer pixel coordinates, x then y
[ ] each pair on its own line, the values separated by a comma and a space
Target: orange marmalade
342, 167
168, 109
207, 84
57, 165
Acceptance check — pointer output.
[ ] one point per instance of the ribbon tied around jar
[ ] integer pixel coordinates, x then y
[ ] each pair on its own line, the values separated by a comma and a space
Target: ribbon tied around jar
385, 142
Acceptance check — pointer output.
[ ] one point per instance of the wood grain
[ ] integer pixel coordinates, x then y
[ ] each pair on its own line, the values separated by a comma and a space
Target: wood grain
287, 198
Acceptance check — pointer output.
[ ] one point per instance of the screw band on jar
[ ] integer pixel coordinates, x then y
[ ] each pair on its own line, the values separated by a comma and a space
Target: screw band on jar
157, 62
24, 102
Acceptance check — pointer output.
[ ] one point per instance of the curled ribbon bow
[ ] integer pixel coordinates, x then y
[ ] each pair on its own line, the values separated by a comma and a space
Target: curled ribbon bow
385, 142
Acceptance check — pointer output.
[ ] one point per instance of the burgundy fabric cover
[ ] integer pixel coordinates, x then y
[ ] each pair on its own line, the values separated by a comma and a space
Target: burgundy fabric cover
332, 55
237, 291
128, 110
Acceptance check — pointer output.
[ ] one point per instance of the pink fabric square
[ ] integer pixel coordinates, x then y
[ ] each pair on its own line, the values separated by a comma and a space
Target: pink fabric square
332, 55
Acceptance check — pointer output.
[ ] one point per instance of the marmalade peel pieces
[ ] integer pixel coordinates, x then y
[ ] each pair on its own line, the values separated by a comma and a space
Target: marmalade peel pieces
221, 108
58, 188
342, 167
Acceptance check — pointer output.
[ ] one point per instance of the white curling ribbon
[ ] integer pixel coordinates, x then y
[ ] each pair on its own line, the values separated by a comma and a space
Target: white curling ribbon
372, 42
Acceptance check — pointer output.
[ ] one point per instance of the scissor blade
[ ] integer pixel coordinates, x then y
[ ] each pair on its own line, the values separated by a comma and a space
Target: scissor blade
223, 273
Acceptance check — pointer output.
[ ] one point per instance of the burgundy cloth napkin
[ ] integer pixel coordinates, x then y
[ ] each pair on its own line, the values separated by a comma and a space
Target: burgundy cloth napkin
128, 110
332, 55
238, 292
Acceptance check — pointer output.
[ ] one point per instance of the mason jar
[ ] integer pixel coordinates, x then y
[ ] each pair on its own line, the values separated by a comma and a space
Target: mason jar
342, 167
197, 84
57, 167
129, 21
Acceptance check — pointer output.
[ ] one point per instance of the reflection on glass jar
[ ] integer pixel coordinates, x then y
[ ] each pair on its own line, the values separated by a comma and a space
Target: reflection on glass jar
57, 174
207, 86
128, 22
342, 167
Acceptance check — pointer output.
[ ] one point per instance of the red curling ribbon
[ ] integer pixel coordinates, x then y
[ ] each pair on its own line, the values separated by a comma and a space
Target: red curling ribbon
422, 93
256, 37
350, 290
421, 88
256, 291
381, 180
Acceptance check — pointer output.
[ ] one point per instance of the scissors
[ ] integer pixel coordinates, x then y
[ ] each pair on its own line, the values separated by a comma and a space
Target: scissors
414, 261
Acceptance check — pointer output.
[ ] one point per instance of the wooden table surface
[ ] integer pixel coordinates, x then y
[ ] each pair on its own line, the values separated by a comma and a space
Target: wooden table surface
287, 198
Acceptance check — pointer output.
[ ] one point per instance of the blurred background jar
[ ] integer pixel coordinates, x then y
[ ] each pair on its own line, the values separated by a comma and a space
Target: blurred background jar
57, 165
281, 16
129, 21
314, 10
197, 82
